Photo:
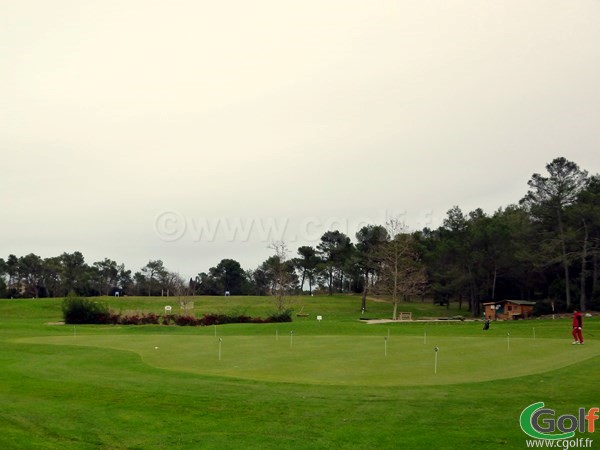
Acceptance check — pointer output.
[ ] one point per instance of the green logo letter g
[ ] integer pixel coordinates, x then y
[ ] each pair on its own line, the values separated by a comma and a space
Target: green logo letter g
529, 423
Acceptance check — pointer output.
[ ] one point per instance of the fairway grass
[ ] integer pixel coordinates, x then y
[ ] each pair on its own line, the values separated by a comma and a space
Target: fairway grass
344, 360
333, 384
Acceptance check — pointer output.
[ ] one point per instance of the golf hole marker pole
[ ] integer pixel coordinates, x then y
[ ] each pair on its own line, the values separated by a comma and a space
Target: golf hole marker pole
220, 341
508, 341
385, 339
167, 312
291, 338
436, 350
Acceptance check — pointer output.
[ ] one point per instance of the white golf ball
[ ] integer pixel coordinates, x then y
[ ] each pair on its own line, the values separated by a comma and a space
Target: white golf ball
155, 348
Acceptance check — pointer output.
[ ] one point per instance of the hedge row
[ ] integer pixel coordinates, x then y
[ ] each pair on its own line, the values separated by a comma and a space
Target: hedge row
83, 311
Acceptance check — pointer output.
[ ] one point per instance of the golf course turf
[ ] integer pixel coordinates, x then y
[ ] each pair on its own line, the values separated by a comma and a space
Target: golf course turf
334, 383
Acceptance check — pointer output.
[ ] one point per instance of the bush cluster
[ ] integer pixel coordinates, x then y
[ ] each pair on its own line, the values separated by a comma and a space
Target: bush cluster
284, 316
138, 319
78, 310
82, 311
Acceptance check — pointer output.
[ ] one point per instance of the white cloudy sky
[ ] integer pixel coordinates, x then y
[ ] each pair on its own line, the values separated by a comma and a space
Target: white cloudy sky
146, 129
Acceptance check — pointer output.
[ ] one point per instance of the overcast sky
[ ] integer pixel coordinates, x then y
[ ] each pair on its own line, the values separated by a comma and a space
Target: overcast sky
192, 131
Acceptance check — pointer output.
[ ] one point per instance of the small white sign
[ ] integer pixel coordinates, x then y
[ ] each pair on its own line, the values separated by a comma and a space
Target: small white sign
167, 308
319, 318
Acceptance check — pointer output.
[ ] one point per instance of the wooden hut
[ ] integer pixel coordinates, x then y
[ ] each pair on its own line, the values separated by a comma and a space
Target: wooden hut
508, 309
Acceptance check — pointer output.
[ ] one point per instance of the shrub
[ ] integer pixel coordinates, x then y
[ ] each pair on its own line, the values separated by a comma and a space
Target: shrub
133, 319
283, 316
243, 319
78, 310
213, 319
113, 318
139, 319
186, 321
150, 319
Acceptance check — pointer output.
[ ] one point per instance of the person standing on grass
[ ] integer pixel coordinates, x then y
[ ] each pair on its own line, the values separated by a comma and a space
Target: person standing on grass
577, 326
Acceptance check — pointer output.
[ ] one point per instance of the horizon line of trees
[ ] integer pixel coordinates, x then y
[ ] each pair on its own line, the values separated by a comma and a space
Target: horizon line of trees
546, 247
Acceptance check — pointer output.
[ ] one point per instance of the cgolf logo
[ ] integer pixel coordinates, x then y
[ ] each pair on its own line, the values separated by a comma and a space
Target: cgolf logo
540, 423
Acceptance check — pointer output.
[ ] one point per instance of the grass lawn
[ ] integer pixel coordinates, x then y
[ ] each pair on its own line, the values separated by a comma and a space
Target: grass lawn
337, 383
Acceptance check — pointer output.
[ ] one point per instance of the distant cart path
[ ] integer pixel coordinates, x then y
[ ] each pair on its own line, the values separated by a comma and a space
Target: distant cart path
372, 321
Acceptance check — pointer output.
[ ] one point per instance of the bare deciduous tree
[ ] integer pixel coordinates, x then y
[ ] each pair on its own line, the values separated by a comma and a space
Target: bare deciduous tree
401, 273
283, 279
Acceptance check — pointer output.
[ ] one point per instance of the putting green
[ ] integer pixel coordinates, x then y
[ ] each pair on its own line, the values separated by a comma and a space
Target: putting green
344, 360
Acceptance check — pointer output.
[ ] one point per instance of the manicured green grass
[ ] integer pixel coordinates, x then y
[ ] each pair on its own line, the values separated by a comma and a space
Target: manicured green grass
338, 383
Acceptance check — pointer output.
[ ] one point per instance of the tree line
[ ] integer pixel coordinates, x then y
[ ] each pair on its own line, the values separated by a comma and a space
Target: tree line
545, 247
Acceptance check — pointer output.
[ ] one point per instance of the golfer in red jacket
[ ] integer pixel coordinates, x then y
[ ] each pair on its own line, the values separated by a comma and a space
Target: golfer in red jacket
577, 326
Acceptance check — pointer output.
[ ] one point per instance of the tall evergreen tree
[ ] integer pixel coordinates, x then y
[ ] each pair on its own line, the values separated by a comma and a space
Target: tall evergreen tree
546, 200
